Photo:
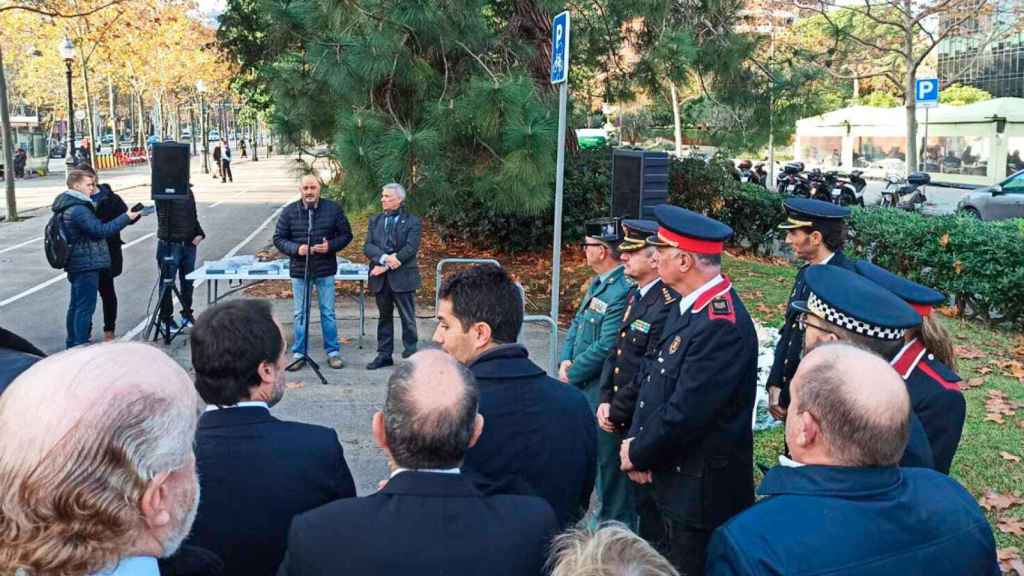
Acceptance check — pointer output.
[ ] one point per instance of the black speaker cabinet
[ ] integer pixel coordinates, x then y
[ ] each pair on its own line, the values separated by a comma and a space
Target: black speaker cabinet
639, 182
170, 171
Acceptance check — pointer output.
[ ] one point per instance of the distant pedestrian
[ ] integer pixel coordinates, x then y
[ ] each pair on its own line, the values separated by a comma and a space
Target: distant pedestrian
241, 144
216, 159
20, 158
225, 162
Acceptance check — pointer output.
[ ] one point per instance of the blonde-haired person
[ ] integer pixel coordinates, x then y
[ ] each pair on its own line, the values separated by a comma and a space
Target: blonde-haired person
610, 550
928, 365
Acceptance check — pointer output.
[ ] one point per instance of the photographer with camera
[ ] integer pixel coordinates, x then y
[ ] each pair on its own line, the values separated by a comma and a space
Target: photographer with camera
88, 251
178, 235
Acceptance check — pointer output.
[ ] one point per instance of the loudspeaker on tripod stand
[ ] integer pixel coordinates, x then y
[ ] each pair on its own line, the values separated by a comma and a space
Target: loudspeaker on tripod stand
170, 175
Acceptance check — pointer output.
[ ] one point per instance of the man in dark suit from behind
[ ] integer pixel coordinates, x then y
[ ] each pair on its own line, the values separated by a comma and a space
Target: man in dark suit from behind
428, 518
256, 472
540, 433
392, 241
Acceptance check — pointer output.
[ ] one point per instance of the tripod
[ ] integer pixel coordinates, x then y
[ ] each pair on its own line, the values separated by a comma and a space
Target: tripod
156, 328
309, 296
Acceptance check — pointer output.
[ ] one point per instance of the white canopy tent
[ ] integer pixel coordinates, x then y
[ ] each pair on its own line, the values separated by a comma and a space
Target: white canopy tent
977, 144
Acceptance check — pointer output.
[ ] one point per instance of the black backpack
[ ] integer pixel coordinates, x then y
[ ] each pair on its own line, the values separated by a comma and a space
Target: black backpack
55, 241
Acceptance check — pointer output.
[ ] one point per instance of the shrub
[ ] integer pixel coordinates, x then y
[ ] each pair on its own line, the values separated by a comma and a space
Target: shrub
978, 263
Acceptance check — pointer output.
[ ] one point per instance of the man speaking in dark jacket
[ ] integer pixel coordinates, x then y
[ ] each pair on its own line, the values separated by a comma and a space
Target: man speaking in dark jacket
318, 227
540, 437
178, 236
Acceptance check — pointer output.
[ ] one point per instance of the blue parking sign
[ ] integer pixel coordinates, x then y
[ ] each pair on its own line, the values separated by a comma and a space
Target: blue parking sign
926, 92
560, 48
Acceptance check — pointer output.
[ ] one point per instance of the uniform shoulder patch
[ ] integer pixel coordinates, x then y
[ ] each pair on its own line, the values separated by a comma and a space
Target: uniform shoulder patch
667, 296
721, 309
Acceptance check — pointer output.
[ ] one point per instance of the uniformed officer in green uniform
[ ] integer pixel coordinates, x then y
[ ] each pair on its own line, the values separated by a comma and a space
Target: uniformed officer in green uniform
591, 337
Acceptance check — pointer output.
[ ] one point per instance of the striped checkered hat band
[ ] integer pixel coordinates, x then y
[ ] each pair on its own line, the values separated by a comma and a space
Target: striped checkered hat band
822, 310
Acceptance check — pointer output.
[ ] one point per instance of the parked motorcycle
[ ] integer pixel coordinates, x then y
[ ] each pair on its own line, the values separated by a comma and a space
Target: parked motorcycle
905, 193
848, 190
747, 173
821, 184
790, 182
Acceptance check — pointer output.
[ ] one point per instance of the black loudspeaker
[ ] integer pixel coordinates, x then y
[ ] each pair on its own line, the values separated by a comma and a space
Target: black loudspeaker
639, 182
170, 171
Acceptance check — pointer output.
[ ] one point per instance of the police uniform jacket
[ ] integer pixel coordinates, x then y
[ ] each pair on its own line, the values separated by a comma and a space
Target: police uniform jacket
692, 421
936, 399
594, 328
840, 521
639, 333
791, 337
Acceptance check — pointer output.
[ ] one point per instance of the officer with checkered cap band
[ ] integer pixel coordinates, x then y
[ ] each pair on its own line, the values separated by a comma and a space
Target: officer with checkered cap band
691, 442
816, 232
844, 306
591, 337
933, 385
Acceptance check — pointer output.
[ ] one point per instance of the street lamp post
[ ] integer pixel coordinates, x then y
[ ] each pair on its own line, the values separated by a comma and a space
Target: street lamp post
254, 141
67, 53
201, 89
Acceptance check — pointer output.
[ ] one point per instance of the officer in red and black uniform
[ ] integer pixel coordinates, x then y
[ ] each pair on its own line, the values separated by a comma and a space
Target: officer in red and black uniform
691, 435
933, 386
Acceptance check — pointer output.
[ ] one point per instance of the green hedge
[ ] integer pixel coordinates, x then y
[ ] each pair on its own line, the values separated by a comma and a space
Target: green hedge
981, 264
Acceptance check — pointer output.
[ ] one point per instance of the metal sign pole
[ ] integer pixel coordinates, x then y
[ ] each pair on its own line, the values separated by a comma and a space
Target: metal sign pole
559, 75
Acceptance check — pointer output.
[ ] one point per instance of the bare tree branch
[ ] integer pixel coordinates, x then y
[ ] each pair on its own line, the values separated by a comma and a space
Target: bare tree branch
45, 9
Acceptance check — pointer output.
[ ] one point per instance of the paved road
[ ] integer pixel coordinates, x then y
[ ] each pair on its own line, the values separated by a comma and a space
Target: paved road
237, 216
941, 200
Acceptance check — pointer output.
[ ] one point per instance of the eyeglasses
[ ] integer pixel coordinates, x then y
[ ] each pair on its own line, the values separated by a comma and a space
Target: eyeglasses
803, 324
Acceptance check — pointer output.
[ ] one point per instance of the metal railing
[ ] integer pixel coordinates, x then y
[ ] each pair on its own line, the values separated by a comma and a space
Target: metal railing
532, 318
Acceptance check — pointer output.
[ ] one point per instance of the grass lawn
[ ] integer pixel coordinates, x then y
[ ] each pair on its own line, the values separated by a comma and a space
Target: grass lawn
989, 459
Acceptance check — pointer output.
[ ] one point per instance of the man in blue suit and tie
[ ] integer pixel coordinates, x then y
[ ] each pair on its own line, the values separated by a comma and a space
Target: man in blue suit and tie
256, 472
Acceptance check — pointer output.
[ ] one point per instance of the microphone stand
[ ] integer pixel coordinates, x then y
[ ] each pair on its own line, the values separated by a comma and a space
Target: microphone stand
309, 295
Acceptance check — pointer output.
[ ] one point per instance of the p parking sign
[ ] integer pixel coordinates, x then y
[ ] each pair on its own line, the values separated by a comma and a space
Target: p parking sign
560, 48
926, 92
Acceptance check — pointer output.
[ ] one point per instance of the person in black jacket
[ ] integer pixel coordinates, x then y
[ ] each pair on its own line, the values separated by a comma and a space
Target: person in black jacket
428, 518
392, 241
816, 231
540, 437
256, 472
691, 437
178, 236
649, 303
109, 205
318, 227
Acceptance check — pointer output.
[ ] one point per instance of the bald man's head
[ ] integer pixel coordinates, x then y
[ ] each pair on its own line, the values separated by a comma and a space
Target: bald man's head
848, 406
430, 416
309, 187
86, 434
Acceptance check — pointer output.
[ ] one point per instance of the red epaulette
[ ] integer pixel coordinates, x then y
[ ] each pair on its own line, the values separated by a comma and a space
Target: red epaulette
720, 299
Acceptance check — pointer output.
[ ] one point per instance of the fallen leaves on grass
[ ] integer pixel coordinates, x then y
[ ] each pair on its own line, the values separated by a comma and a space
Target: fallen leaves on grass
984, 370
1010, 561
1011, 526
944, 240
972, 383
969, 352
1013, 368
949, 311
993, 500
763, 308
997, 405
1009, 457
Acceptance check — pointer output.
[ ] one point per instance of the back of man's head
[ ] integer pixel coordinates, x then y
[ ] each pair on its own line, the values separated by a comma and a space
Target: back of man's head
430, 414
854, 402
229, 342
486, 294
96, 461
